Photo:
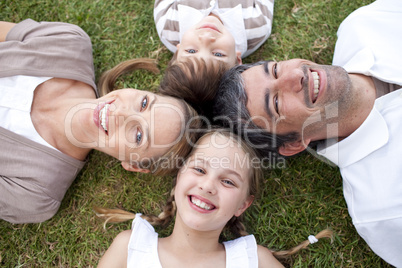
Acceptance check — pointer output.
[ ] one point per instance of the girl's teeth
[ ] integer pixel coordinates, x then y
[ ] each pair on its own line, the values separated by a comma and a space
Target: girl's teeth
102, 116
200, 204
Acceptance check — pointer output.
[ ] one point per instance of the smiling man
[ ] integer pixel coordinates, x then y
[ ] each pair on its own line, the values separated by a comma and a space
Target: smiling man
351, 110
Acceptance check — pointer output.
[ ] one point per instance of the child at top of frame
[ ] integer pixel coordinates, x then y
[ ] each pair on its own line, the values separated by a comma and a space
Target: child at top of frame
217, 183
223, 30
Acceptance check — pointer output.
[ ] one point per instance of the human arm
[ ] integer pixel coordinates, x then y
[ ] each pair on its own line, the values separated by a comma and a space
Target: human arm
51, 49
116, 255
5, 27
266, 259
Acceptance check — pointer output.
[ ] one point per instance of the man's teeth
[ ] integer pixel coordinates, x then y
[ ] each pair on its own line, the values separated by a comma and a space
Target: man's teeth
200, 203
102, 116
316, 79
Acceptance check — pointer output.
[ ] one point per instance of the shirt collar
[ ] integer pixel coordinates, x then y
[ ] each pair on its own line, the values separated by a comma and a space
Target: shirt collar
362, 62
370, 136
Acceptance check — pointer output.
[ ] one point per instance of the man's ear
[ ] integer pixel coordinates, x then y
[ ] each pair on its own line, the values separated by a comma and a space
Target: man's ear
245, 205
294, 147
238, 57
130, 167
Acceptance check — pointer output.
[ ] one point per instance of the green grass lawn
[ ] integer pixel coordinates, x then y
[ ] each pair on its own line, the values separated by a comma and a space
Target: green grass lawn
296, 201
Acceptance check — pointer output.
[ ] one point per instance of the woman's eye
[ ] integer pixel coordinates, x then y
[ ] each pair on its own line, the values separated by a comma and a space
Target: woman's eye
275, 70
144, 103
138, 137
276, 104
218, 54
191, 51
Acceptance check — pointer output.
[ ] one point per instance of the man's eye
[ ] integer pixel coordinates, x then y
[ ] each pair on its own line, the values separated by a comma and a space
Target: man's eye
138, 137
218, 54
191, 51
276, 104
275, 70
144, 103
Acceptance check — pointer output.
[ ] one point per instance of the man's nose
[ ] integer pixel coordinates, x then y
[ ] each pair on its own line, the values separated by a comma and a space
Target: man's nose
292, 81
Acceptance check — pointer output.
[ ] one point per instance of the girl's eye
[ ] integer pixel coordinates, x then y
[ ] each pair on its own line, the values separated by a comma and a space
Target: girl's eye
275, 70
228, 182
218, 54
191, 51
276, 104
138, 137
199, 170
144, 103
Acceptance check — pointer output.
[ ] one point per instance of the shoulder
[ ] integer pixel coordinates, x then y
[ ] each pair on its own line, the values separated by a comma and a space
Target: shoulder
123, 237
266, 259
116, 255
30, 28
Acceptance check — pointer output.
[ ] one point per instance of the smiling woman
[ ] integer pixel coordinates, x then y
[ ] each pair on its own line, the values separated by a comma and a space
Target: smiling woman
52, 118
150, 128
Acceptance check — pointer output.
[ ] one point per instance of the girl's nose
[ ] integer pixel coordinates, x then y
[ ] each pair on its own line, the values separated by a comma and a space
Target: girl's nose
208, 185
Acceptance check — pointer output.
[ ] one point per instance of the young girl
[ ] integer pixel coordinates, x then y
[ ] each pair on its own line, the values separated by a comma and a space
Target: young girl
217, 183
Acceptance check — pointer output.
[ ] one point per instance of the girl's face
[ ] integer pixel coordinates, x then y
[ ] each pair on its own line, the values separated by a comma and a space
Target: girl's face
212, 186
134, 125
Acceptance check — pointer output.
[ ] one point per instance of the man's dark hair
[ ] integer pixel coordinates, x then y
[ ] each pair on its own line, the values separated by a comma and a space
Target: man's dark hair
230, 111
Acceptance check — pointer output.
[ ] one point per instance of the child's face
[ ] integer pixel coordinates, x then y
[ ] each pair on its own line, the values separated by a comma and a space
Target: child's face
209, 40
213, 185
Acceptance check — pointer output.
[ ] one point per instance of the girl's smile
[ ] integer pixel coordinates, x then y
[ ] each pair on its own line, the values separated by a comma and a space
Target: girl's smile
213, 185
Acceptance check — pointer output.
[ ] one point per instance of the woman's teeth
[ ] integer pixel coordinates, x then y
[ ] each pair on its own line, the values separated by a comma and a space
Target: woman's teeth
200, 203
316, 79
102, 116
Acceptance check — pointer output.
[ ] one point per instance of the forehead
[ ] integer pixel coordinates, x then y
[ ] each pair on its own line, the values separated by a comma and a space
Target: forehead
222, 150
166, 123
256, 82
167, 119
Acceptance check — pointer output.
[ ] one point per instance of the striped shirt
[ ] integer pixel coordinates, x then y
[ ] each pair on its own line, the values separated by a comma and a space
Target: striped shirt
253, 16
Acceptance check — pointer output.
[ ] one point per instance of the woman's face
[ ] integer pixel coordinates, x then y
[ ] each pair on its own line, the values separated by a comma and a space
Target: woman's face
133, 125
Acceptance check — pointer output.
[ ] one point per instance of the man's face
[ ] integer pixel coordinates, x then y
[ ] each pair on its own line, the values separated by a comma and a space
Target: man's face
297, 96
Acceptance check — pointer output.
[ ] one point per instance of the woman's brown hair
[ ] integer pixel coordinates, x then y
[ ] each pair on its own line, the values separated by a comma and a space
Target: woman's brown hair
172, 160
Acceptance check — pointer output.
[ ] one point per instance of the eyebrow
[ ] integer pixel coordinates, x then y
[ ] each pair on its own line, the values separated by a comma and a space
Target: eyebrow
148, 132
228, 170
266, 96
